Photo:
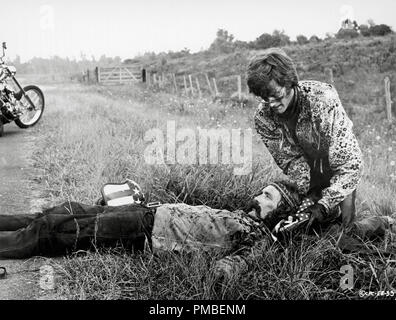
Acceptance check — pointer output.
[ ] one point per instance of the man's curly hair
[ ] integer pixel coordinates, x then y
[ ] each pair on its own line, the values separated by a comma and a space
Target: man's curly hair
272, 64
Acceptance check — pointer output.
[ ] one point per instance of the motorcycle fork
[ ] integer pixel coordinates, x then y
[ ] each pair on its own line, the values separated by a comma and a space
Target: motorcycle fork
23, 93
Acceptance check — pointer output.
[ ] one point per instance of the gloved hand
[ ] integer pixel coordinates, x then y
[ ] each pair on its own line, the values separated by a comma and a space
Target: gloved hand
317, 212
300, 218
229, 265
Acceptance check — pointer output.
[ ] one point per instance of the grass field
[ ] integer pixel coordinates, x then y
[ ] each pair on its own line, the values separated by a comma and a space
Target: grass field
93, 134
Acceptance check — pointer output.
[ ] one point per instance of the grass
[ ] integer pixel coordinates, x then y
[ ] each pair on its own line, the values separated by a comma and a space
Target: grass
92, 135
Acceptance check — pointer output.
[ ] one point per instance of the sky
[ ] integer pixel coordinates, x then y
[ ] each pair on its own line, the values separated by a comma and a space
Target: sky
126, 28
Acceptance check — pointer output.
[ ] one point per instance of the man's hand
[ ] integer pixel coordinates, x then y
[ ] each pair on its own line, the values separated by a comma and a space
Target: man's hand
317, 213
228, 266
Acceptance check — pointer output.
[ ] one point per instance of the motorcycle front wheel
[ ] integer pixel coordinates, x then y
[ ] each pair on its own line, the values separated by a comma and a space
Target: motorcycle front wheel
31, 114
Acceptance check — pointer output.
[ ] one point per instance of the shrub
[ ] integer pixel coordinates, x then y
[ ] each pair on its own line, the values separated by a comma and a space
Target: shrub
347, 34
380, 30
241, 44
364, 30
314, 39
301, 39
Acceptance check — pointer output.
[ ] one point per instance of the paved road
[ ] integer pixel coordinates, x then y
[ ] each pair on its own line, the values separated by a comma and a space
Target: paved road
17, 195
15, 152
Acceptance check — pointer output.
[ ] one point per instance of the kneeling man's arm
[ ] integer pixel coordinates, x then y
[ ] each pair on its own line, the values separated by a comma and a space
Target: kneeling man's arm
345, 156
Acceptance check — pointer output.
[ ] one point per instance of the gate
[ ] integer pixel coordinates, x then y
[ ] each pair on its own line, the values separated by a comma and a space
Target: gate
120, 74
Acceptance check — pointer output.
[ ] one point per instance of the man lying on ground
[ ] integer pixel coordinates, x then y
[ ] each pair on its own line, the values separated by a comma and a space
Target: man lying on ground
72, 226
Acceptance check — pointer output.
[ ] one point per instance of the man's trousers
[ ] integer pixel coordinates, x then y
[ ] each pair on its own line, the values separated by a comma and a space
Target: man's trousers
73, 226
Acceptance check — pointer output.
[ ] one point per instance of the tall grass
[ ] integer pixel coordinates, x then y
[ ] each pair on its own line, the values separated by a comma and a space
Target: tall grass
93, 135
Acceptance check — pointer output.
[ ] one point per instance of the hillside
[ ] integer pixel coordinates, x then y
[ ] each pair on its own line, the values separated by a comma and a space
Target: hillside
359, 66
378, 53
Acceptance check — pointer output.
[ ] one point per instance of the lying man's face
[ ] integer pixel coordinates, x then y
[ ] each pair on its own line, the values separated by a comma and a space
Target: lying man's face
264, 203
266, 207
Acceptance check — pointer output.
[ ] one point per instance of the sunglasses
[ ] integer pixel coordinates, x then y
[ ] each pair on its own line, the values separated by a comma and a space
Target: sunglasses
276, 96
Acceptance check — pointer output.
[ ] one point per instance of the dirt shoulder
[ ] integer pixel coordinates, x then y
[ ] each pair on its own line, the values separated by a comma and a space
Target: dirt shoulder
18, 195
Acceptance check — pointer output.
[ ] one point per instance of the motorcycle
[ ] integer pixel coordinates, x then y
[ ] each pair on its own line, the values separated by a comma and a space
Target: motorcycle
24, 106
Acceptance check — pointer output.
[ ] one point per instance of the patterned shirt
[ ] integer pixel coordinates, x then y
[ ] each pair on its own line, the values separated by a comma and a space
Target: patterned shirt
325, 142
179, 227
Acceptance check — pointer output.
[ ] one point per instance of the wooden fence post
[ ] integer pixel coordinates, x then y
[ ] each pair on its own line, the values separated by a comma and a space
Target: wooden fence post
215, 87
388, 99
162, 82
97, 74
239, 87
175, 83
143, 75
191, 85
208, 82
185, 85
198, 87
88, 75
331, 75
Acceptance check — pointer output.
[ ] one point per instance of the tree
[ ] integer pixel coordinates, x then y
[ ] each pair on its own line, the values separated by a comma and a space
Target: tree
264, 41
280, 38
223, 42
116, 60
364, 30
301, 39
277, 39
380, 30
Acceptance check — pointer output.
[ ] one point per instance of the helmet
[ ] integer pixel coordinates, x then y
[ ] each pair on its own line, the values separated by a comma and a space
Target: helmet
119, 194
